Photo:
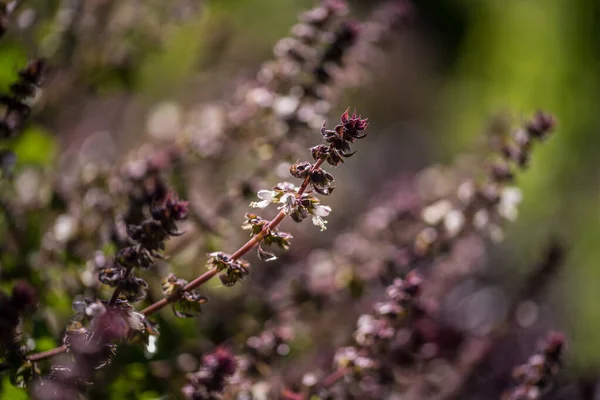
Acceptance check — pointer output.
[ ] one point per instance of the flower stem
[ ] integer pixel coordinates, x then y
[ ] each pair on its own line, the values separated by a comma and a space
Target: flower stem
115, 295
46, 354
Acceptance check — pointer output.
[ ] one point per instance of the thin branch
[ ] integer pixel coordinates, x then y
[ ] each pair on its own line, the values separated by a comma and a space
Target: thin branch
49, 353
119, 288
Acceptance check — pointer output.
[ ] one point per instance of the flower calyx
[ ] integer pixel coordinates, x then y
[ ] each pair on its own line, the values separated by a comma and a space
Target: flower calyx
310, 205
232, 270
188, 303
321, 180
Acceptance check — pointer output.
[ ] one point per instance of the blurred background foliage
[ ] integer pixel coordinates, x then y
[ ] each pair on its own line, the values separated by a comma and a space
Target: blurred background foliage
115, 63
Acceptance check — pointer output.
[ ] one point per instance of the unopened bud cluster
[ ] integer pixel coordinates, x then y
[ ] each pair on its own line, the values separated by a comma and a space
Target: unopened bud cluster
150, 237
142, 182
91, 338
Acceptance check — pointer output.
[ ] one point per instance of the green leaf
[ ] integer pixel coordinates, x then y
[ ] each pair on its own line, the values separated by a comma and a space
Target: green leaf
151, 395
35, 146
12, 59
11, 392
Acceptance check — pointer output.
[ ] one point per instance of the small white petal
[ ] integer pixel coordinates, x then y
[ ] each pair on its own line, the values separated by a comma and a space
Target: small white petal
320, 222
247, 225
260, 204
288, 202
287, 198
321, 211
267, 195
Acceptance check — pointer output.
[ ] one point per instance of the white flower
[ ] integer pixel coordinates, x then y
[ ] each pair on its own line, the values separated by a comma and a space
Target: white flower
320, 222
267, 197
318, 211
288, 203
